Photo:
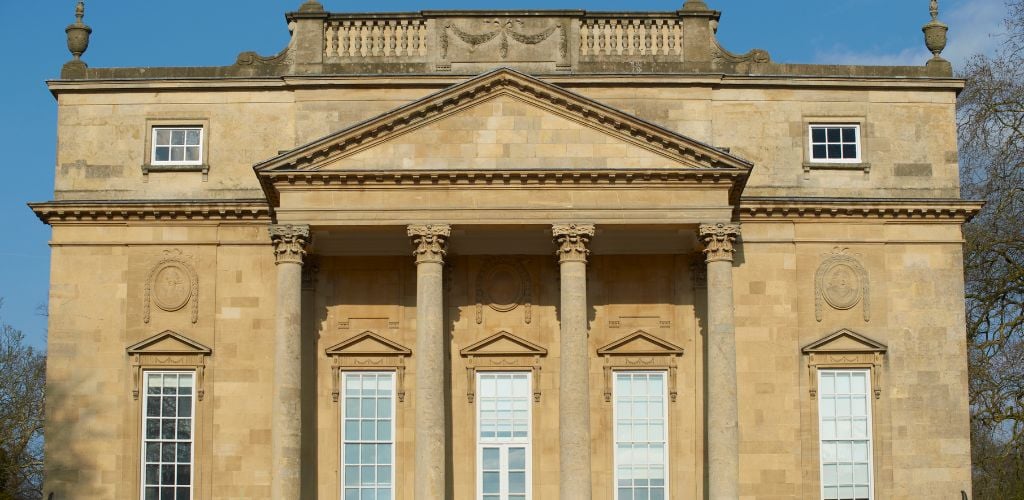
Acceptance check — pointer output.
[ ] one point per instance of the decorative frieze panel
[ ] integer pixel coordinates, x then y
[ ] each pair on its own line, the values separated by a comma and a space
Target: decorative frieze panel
504, 285
502, 351
166, 350
371, 352
841, 282
640, 351
503, 39
171, 285
845, 349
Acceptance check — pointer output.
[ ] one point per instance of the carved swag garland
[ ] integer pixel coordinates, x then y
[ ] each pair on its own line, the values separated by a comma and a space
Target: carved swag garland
504, 31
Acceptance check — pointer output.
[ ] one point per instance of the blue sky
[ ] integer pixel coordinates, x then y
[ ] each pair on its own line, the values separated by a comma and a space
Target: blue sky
201, 33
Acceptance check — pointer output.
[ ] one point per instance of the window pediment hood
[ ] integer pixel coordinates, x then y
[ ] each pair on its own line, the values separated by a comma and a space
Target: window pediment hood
168, 342
845, 341
449, 114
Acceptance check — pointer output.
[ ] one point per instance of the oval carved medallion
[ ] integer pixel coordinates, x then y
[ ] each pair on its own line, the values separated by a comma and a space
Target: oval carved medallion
842, 287
842, 283
172, 284
503, 288
503, 285
172, 287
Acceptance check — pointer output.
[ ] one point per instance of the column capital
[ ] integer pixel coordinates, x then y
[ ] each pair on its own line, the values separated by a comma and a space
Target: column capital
290, 242
719, 241
430, 242
572, 241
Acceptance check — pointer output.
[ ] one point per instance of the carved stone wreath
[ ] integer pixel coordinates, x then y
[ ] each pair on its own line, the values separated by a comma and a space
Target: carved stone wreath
504, 30
842, 283
503, 285
172, 284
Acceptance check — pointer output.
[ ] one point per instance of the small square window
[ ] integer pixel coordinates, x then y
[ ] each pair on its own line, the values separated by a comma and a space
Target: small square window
835, 143
177, 145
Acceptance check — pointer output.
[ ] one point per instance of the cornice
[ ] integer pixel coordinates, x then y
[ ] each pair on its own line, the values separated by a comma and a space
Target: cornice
92, 212
916, 209
292, 82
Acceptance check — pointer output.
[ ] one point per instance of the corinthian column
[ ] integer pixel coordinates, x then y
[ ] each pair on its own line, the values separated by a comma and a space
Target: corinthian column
574, 362
722, 416
431, 245
286, 414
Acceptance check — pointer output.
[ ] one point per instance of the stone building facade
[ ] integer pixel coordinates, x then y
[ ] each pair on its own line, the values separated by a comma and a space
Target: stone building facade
515, 254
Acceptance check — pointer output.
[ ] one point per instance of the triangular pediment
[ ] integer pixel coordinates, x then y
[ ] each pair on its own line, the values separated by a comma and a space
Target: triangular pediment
168, 342
844, 341
504, 344
368, 344
640, 343
503, 120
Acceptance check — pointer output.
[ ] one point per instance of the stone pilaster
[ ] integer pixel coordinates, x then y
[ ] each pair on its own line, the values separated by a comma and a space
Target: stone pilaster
290, 242
574, 364
722, 405
430, 244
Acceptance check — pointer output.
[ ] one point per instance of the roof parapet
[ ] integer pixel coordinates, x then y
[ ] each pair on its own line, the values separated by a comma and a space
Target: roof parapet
539, 42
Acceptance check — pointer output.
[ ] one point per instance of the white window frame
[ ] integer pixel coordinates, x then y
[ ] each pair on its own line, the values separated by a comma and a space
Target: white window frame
344, 441
192, 437
870, 428
615, 427
858, 142
504, 444
153, 145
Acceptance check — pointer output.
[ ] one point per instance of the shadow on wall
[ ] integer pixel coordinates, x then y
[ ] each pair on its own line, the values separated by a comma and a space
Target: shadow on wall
67, 469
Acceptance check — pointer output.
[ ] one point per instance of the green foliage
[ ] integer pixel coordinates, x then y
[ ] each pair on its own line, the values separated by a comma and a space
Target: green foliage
22, 382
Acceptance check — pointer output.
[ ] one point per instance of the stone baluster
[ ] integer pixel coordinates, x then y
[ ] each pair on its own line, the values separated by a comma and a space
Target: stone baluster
574, 364
290, 242
722, 404
430, 244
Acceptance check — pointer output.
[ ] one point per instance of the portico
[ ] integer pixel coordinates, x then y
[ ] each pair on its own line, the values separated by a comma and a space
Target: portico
507, 165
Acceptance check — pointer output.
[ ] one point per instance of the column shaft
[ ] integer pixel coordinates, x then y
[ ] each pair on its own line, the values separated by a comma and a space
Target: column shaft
574, 363
722, 404
430, 467
286, 412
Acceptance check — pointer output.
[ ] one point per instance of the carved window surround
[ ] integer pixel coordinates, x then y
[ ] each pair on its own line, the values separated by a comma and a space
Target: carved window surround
368, 351
168, 350
640, 351
845, 349
502, 351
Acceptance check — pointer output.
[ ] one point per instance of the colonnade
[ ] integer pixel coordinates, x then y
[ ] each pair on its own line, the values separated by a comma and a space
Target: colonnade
430, 246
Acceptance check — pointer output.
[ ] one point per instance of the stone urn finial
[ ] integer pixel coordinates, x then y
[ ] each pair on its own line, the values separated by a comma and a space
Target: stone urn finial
935, 33
78, 34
